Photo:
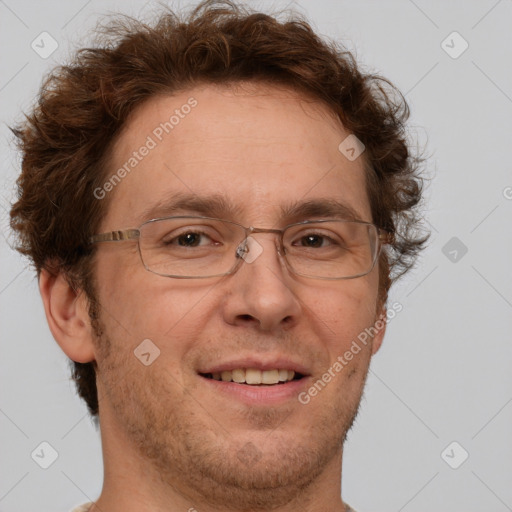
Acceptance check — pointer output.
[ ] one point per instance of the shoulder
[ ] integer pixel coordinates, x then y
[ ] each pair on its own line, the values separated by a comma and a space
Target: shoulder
83, 508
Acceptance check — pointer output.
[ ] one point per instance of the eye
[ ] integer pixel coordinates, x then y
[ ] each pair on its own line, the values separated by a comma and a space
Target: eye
315, 241
187, 239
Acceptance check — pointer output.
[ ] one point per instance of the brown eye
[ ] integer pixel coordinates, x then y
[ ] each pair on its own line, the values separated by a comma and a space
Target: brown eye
312, 241
189, 239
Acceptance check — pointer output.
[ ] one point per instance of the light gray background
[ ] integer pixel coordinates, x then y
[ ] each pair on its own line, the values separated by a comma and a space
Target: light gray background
444, 371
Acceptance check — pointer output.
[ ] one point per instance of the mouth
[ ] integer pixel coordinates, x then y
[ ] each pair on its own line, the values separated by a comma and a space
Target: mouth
268, 381
255, 377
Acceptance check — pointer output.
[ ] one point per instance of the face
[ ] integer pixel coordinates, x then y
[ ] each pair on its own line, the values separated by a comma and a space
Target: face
261, 149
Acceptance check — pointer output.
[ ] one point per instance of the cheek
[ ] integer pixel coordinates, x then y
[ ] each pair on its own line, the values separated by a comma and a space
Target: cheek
345, 311
349, 315
341, 315
141, 305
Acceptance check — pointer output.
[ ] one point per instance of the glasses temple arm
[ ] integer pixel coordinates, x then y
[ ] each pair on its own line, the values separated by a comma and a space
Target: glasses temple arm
115, 236
386, 237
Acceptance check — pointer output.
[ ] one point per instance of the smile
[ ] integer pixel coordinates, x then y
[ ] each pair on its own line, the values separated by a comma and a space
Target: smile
255, 377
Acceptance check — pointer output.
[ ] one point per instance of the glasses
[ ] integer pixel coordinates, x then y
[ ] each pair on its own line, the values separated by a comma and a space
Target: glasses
189, 247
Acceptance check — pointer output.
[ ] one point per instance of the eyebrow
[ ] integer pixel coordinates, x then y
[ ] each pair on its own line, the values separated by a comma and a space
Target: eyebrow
219, 206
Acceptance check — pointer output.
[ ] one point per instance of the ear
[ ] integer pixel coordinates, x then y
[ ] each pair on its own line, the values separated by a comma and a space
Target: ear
67, 315
380, 326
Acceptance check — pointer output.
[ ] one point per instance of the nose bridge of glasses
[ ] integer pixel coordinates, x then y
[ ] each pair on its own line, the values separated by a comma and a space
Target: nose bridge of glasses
250, 248
252, 230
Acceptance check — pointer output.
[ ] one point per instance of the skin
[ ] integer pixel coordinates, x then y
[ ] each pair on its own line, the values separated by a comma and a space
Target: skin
169, 442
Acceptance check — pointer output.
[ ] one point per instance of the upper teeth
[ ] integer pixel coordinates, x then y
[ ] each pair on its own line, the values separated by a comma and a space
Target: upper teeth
254, 376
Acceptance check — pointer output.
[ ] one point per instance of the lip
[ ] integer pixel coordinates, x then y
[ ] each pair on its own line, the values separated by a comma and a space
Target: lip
268, 363
271, 395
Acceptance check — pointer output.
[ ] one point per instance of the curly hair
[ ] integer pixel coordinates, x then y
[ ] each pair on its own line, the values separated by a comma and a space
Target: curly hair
82, 107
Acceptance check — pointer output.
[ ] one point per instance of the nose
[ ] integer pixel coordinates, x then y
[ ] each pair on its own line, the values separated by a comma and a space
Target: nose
261, 293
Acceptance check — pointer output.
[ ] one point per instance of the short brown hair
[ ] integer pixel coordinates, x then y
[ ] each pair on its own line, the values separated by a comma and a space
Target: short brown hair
82, 107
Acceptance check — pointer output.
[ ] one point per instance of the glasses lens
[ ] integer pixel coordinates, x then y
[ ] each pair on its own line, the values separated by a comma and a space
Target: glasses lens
189, 246
331, 249
204, 247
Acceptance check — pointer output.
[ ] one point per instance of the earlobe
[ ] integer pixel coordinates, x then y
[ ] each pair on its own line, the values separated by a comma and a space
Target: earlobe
380, 326
67, 315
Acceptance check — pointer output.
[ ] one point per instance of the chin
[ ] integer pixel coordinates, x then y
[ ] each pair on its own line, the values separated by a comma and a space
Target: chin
259, 477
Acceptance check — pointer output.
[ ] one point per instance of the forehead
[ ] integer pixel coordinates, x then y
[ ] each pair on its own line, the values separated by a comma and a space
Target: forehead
259, 150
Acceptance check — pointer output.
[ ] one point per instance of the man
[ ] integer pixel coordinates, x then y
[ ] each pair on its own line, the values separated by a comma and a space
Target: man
216, 208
